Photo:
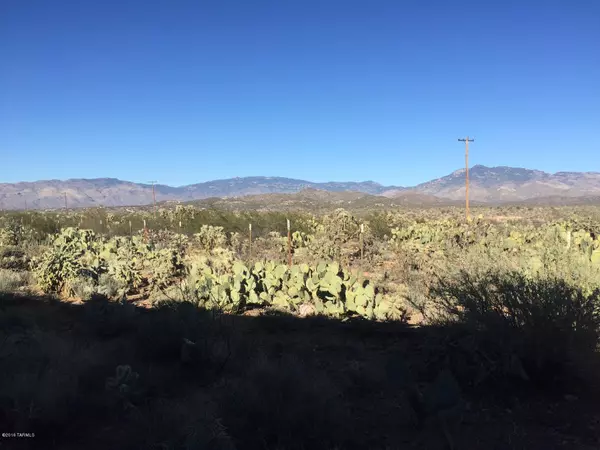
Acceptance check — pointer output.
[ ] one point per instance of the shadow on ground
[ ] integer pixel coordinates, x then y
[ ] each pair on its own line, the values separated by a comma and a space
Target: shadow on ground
109, 375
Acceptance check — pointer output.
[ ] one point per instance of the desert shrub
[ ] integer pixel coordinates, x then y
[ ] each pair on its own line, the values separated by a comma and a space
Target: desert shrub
73, 253
166, 264
572, 266
337, 229
378, 223
221, 260
180, 242
547, 325
335, 237
82, 287
14, 258
263, 222
125, 259
269, 247
210, 237
111, 287
237, 243
12, 233
11, 280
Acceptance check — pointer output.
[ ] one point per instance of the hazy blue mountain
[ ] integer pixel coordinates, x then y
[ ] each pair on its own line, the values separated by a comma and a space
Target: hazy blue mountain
487, 184
114, 192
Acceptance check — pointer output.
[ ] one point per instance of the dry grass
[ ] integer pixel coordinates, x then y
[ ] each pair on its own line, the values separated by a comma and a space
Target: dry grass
11, 281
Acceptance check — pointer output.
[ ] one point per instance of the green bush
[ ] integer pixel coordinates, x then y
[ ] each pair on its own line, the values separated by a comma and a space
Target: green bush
379, 225
547, 324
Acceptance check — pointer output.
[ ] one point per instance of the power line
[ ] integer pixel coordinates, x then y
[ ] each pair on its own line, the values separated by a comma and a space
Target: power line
466, 141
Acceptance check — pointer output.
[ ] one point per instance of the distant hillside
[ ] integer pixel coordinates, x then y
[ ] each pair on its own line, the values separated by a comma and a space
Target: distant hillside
559, 201
488, 185
316, 200
236, 187
509, 184
113, 192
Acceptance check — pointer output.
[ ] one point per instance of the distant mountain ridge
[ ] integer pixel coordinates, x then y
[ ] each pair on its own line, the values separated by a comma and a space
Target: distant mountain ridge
48, 194
487, 185
509, 184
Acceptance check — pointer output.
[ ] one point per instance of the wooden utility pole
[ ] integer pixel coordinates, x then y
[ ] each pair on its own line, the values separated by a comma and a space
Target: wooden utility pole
289, 230
20, 194
249, 240
362, 244
466, 141
153, 196
66, 207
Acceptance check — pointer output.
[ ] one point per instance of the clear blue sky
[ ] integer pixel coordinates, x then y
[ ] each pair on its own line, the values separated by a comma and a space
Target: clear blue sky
189, 91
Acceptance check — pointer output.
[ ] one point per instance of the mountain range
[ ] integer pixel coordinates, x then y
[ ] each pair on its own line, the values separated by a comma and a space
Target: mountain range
487, 185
